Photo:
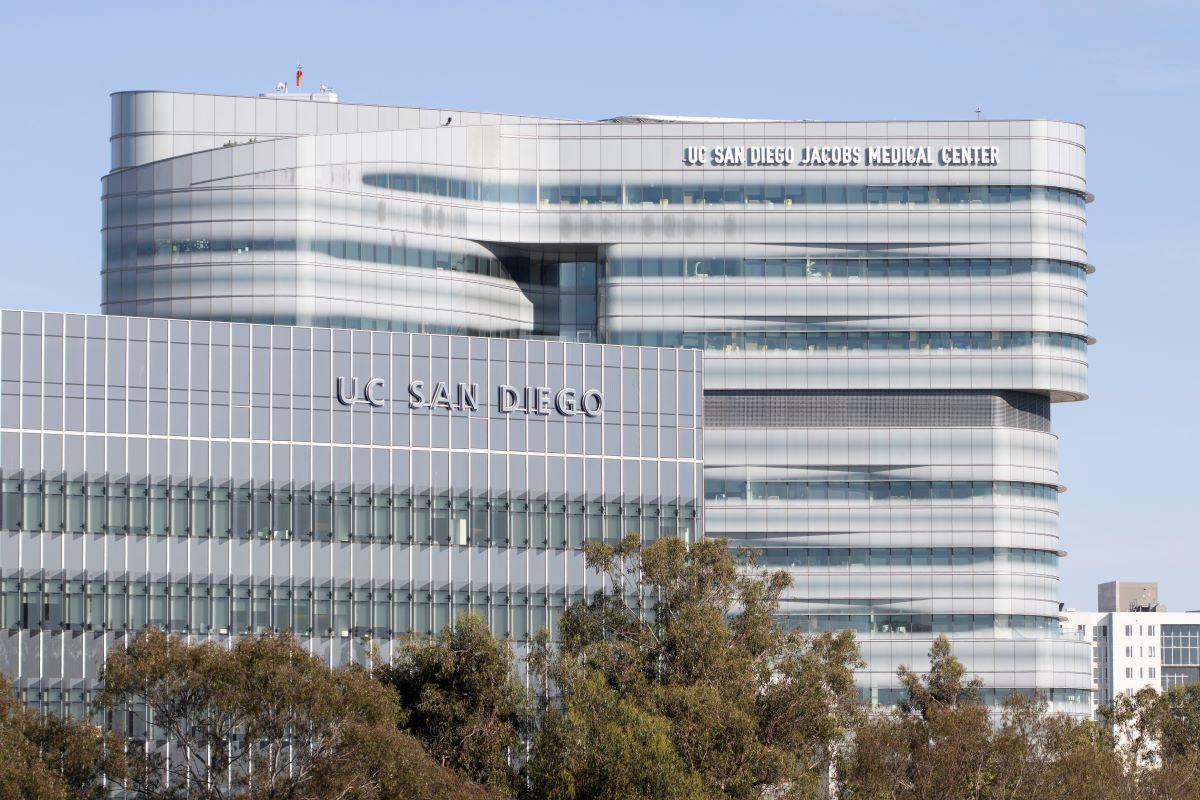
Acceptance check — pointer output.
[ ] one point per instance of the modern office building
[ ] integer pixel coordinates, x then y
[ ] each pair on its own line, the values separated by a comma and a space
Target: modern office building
218, 478
887, 312
1136, 641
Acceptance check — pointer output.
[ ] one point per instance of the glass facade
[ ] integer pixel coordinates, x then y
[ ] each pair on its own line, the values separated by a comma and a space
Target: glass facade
886, 313
555, 189
215, 478
824, 268
219, 605
1180, 655
846, 341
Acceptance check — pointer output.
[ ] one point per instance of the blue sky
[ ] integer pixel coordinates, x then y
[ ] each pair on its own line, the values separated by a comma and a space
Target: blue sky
1129, 71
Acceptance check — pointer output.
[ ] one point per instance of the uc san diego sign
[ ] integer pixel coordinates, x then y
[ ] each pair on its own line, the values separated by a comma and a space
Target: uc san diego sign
544, 400
841, 156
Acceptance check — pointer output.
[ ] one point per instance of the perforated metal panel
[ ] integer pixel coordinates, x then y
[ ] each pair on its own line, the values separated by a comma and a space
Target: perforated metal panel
876, 409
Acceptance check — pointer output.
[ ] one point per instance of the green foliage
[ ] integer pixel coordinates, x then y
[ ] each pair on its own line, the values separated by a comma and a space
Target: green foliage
463, 700
673, 682
1158, 740
944, 686
52, 757
942, 744
1172, 721
603, 746
265, 719
79, 752
1039, 754
680, 654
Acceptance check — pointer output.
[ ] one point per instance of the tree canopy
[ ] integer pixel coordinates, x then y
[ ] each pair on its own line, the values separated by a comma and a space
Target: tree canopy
53, 757
463, 700
679, 662
674, 680
941, 742
266, 719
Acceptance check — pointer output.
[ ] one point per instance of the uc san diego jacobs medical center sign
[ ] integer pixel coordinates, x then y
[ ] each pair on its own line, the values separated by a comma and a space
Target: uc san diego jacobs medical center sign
840, 156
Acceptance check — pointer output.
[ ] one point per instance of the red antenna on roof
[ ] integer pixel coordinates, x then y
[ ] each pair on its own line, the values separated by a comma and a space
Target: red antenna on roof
299, 72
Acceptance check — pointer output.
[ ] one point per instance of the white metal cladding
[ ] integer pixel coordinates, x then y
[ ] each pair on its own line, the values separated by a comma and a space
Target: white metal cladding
206, 477
791, 279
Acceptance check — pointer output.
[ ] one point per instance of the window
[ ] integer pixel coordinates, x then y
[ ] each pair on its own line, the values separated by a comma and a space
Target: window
1129, 651
1151, 671
1149, 630
1129, 630
1129, 672
1150, 651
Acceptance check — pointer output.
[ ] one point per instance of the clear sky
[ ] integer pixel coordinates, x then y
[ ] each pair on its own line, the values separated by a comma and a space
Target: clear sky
1129, 71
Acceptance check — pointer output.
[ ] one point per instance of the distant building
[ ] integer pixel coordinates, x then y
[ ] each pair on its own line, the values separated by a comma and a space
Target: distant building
1136, 642
1128, 596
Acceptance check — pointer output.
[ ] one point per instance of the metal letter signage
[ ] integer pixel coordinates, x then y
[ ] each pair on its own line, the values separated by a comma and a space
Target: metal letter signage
370, 394
541, 400
841, 156
462, 399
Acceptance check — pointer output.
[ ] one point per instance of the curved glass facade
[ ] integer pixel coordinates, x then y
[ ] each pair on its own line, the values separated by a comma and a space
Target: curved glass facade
847, 341
886, 312
853, 268
871, 491
557, 189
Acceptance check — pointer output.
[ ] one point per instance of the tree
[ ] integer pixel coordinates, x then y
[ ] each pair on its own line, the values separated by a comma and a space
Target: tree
1036, 753
687, 643
812, 707
265, 719
877, 763
462, 700
603, 746
944, 686
1158, 738
936, 746
1172, 719
942, 742
951, 749
382, 763
23, 774
50, 756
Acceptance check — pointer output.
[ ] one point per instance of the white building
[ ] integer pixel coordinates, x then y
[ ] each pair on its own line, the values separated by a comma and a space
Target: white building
838, 343
1136, 642
888, 313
